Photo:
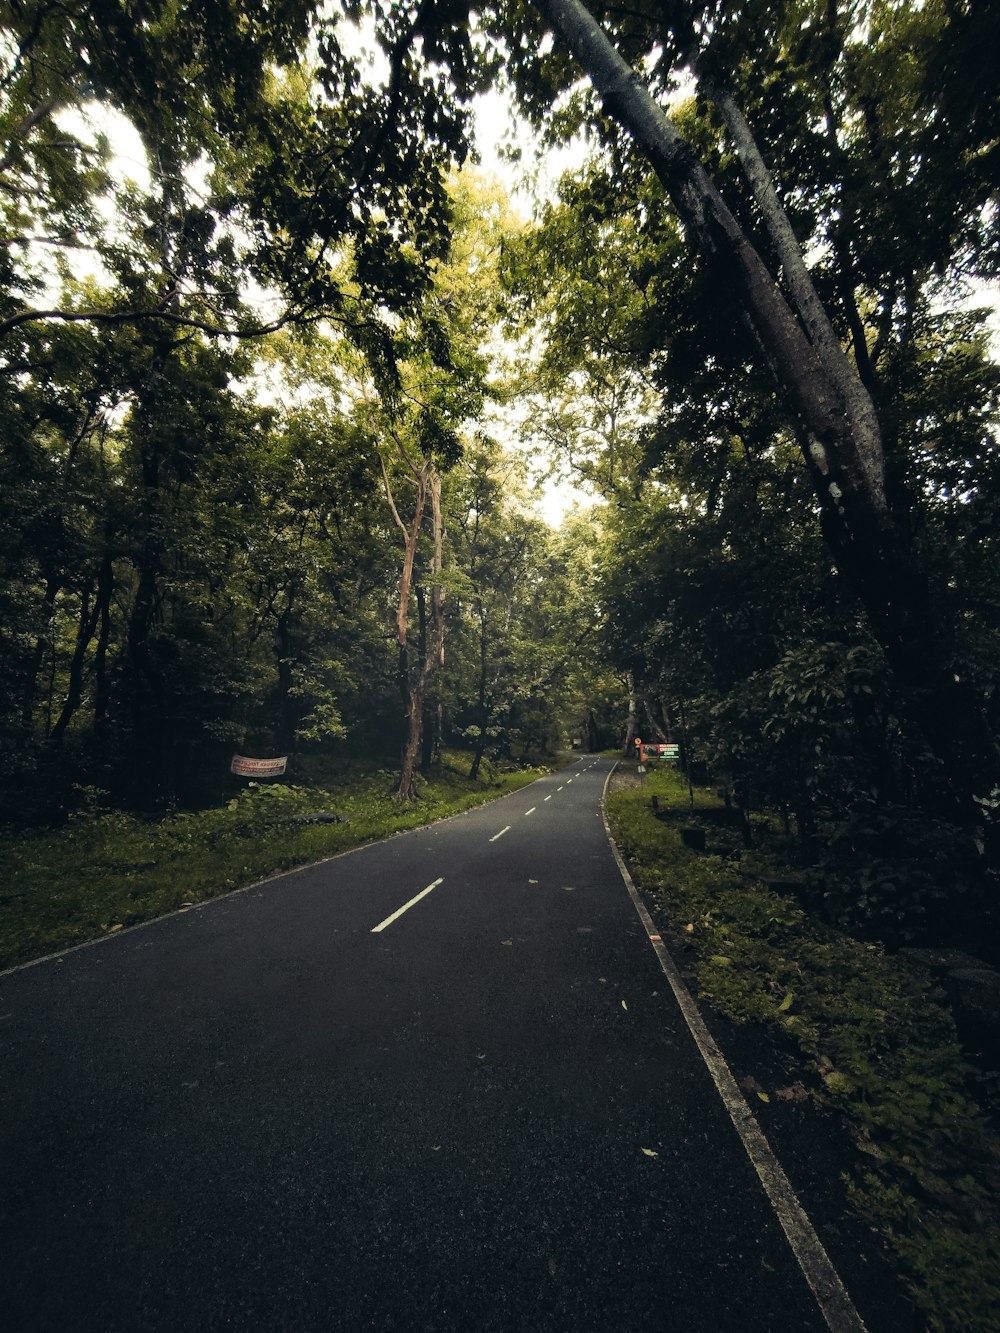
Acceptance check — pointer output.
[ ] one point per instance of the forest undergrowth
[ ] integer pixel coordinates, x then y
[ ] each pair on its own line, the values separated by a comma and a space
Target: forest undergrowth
874, 1038
106, 870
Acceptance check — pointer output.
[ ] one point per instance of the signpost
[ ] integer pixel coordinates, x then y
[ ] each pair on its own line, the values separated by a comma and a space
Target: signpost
656, 752
258, 768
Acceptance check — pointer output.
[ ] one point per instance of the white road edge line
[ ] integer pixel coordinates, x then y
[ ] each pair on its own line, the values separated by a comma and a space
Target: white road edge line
501, 833
835, 1304
406, 907
531, 811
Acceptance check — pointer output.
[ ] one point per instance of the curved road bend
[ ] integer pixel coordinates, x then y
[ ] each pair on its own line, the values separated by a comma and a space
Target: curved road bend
265, 1114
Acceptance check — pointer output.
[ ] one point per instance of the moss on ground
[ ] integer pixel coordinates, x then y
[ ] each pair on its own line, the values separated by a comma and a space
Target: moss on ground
105, 871
877, 1042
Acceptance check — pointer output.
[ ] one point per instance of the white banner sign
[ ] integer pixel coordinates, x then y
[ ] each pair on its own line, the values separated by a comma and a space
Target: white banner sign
258, 768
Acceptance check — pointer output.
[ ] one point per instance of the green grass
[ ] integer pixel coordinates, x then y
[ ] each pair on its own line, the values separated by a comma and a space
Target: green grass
876, 1041
106, 871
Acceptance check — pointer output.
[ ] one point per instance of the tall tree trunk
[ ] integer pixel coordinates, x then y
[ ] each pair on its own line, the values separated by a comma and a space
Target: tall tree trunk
632, 727
433, 657
647, 709
834, 418
483, 710
105, 590
74, 693
144, 687
413, 691
427, 705
34, 665
406, 789
289, 713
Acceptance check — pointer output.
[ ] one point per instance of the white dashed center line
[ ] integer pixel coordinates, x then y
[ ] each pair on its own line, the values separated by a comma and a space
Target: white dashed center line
406, 907
500, 834
531, 811
549, 797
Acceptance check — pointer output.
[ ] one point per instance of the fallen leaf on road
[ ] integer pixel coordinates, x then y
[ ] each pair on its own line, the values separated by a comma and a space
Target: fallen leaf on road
532, 881
763, 1096
506, 941
603, 980
794, 1093
649, 1152
624, 1006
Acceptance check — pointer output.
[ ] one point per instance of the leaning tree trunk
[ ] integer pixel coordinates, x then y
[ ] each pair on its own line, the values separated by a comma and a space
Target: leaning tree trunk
833, 415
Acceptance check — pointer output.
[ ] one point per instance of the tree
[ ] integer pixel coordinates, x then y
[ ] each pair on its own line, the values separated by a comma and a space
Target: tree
832, 409
500, 552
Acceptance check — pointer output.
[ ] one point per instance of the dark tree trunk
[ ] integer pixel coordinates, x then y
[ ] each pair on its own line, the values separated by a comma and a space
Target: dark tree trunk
484, 710
289, 712
632, 726
428, 709
105, 591
145, 687
414, 690
477, 758
74, 693
651, 718
37, 657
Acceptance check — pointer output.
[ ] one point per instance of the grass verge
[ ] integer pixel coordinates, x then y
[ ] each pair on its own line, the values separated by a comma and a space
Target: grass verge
106, 871
877, 1043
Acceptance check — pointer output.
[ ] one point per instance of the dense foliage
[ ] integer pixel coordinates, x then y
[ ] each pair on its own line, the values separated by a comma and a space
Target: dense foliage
234, 334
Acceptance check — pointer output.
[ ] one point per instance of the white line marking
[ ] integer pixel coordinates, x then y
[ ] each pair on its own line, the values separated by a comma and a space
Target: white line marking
500, 834
835, 1304
549, 797
405, 908
531, 811
559, 788
58, 955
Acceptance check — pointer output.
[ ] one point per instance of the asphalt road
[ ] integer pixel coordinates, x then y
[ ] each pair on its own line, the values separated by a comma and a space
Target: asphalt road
489, 1115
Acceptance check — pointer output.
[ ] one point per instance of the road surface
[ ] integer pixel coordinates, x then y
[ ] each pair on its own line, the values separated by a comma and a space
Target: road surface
298, 1108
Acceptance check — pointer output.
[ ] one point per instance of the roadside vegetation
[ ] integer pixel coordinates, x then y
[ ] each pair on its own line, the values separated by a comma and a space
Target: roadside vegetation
106, 870
874, 1038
